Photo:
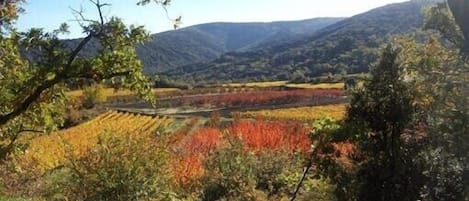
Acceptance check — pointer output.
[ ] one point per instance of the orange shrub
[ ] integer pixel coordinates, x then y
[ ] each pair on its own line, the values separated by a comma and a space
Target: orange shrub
203, 141
187, 169
260, 135
190, 151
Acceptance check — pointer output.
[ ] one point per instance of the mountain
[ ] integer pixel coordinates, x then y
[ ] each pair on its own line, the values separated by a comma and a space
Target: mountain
205, 42
349, 45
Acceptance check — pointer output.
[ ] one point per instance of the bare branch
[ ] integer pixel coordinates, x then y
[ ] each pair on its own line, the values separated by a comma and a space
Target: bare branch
7, 149
303, 177
80, 18
307, 168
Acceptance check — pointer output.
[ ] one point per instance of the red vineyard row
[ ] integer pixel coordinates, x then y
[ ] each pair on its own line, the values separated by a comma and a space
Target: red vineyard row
259, 97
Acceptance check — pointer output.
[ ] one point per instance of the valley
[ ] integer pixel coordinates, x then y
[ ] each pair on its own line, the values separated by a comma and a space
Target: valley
372, 106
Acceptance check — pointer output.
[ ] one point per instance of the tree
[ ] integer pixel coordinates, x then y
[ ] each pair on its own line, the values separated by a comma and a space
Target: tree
450, 19
381, 110
448, 113
36, 65
436, 74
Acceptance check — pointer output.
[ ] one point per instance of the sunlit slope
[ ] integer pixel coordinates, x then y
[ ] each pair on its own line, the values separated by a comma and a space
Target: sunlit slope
50, 151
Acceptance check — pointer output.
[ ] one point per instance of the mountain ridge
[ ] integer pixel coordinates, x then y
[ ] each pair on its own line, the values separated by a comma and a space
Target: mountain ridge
348, 46
205, 42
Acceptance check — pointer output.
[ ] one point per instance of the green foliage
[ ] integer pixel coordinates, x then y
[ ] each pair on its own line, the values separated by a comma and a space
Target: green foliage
439, 77
120, 167
342, 174
444, 174
35, 67
440, 18
233, 173
350, 84
380, 111
174, 50
384, 104
449, 18
459, 10
350, 45
230, 176
9, 11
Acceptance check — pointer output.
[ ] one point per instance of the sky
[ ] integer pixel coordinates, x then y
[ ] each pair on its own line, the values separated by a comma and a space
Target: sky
49, 14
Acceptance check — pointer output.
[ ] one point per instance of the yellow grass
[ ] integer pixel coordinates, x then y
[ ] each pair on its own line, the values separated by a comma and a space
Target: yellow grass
49, 151
285, 84
110, 92
305, 114
317, 86
257, 84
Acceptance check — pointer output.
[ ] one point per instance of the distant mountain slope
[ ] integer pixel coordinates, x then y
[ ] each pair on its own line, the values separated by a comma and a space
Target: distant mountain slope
350, 45
205, 42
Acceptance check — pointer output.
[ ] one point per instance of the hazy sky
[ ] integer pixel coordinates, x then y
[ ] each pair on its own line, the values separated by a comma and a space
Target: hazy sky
51, 13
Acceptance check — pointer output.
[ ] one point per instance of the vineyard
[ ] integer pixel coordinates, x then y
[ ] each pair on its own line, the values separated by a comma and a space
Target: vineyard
317, 86
47, 152
269, 91
112, 93
185, 150
257, 84
259, 97
285, 84
191, 146
304, 114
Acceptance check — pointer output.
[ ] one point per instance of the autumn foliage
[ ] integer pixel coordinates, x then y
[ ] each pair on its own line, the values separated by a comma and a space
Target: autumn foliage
260, 97
261, 134
304, 114
49, 151
257, 136
190, 152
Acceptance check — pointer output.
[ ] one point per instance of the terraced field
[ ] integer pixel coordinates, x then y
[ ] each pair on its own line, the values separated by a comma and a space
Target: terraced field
49, 151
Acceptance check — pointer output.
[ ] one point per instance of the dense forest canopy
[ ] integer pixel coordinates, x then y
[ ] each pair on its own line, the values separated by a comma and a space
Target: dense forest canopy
348, 46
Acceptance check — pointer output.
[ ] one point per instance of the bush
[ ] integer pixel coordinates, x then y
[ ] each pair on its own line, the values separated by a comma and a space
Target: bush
93, 95
120, 167
235, 173
230, 176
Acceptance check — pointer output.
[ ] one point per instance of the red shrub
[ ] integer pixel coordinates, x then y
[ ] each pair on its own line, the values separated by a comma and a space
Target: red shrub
203, 141
193, 148
190, 152
261, 135
187, 169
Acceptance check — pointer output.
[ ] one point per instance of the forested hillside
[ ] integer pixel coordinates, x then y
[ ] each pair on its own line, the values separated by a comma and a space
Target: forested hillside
348, 46
205, 42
